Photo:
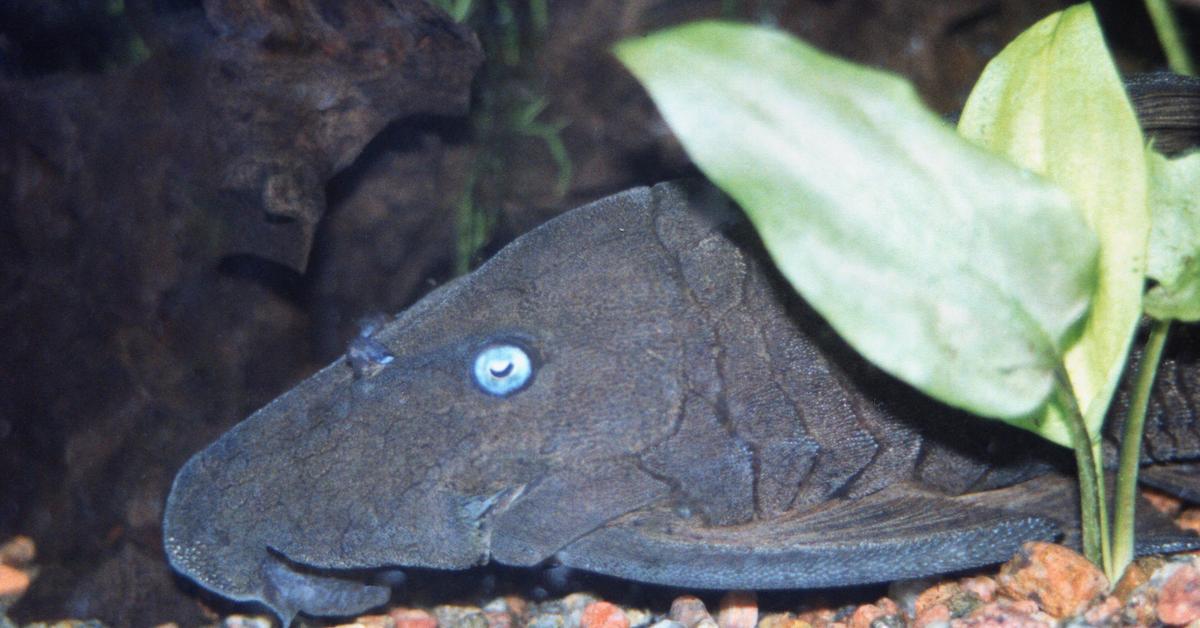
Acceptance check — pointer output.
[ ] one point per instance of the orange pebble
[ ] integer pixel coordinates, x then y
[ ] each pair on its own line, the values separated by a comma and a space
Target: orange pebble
412, 618
1060, 580
603, 615
738, 609
13, 582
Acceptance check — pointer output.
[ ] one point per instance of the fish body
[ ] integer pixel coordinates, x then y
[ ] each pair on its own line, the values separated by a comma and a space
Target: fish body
629, 389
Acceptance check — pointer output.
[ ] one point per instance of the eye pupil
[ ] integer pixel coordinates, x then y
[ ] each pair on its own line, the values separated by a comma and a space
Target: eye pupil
502, 369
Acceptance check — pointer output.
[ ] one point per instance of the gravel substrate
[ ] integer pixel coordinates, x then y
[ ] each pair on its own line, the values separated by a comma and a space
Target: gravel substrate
1044, 585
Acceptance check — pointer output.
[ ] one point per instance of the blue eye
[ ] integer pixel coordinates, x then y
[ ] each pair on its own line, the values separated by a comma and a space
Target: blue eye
502, 369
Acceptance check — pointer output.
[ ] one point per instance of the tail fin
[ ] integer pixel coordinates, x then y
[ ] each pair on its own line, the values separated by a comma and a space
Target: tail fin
1057, 497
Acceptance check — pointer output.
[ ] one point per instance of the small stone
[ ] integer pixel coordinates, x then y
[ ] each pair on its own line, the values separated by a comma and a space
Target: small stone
937, 595
517, 605
573, 606
1104, 613
374, 621
18, 551
864, 616
1136, 574
1140, 606
1179, 601
499, 619
738, 609
247, 621
1190, 519
688, 610
496, 605
963, 604
707, 622
935, 615
412, 618
499, 613
13, 583
819, 617
882, 614
578, 601
1060, 580
68, 623
781, 620
460, 616
984, 587
667, 623
905, 592
843, 614
1006, 614
548, 620
603, 615
638, 617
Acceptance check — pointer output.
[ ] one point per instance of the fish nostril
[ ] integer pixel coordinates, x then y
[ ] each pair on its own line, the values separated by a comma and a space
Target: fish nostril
368, 356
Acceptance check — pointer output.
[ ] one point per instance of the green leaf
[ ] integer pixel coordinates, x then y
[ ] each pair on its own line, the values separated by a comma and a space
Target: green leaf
937, 260
1053, 102
1174, 256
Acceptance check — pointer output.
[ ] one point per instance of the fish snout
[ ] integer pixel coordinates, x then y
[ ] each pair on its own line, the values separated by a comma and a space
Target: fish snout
221, 540
205, 547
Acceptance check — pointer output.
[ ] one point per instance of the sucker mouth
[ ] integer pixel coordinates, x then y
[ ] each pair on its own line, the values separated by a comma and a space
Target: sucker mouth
291, 587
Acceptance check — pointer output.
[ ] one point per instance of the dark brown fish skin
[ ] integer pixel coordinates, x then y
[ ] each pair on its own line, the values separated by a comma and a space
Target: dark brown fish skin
690, 422
1168, 107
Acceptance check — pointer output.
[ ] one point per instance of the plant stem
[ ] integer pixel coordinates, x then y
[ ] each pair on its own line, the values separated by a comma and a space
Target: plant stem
1102, 499
1091, 501
1131, 447
510, 32
1170, 37
539, 15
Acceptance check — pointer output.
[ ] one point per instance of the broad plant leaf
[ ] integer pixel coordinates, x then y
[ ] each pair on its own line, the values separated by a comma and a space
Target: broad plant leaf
939, 261
1174, 255
1053, 102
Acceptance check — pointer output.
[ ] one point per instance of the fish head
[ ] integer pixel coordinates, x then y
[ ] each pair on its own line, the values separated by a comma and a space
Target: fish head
565, 351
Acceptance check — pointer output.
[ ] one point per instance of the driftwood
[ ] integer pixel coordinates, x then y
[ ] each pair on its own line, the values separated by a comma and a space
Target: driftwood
130, 201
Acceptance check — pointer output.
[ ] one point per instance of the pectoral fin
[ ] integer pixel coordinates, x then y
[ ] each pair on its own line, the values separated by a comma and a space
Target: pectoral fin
568, 504
1180, 480
899, 532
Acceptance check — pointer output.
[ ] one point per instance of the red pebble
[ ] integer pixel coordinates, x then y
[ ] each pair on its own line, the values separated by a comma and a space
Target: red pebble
1060, 580
603, 615
412, 618
1179, 602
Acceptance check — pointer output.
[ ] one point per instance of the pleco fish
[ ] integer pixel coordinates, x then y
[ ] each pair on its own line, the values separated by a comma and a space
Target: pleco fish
629, 389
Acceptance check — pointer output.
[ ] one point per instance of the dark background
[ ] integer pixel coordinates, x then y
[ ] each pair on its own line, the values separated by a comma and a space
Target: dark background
200, 200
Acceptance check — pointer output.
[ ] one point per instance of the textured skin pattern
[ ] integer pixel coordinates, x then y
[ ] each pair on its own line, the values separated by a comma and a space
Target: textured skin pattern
689, 422
1168, 106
